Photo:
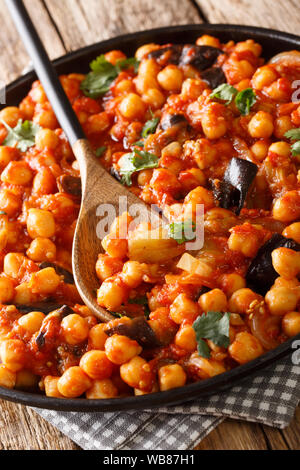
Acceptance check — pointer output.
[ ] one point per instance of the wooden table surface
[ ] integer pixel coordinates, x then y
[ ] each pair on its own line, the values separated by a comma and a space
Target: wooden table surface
65, 25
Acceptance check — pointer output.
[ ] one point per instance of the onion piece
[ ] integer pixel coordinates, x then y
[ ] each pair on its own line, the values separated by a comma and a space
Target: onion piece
264, 327
285, 61
194, 266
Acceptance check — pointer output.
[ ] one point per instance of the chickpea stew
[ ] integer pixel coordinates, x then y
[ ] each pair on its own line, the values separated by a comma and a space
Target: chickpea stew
179, 125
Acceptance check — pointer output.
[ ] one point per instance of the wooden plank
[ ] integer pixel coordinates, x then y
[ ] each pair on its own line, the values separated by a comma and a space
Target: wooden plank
83, 22
13, 55
292, 432
235, 435
23, 429
282, 14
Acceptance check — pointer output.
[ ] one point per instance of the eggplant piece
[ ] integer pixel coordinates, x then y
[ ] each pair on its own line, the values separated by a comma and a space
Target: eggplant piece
68, 277
200, 57
214, 77
40, 340
172, 120
69, 184
115, 174
172, 53
261, 275
46, 307
233, 190
138, 329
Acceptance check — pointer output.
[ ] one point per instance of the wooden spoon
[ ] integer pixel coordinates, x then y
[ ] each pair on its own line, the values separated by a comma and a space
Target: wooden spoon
97, 185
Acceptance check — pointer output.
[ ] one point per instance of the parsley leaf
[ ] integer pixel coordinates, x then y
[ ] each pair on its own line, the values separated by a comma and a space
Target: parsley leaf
293, 134
103, 73
139, 143
213, 326
136, 161
3, 213
22, 136
244, 100
182, 231
100, 151
224, 92
296, 148
150, 127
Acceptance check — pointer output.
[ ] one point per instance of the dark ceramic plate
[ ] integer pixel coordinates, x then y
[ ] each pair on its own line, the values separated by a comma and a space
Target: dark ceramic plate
78, 61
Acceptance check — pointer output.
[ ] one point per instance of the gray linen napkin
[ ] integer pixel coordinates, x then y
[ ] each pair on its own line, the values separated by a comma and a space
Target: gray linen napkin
269, 398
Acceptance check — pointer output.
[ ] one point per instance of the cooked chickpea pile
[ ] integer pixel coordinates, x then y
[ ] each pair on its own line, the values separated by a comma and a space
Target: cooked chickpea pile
67, 353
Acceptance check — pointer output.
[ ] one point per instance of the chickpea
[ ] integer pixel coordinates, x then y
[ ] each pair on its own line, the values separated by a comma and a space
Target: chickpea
198, 196
260, 150
7, 377
291, 324
46, 138
144, 177
207, 40
75, 329
281, 148
170, 78
41, 249
145, 50
147, 76
124, 87
290, 283
102, 389
292, 231
186, 338
287, 207
183, 308
261, 125
120, 349
98, 337
32, 322
132, 273
45, 118
96, 365
241, 300
171, 376
44, 182
13, 354
73, 383
281, 300
192, 88
154, 98
40, 223
245, 348
107, 266
23, 294
137, 373
214, 125
286, 262
214, 300
246, 242
231, 283
37, 93
44, 282
282, 124
51, 387
10, 203
12, 264
11, 115
202, 151
206, 368
7, 290
112, 294
139, 392
115, 247
132, 106
8, 154
249, 46
264, 76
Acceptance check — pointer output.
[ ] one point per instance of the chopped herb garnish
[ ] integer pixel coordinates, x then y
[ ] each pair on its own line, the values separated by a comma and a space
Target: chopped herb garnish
224, 92
136, 161
103, 73
244, 100
294, 134
150, 127
3, 213
22, 136
139, 143
213, 326
182, 231
100, 151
